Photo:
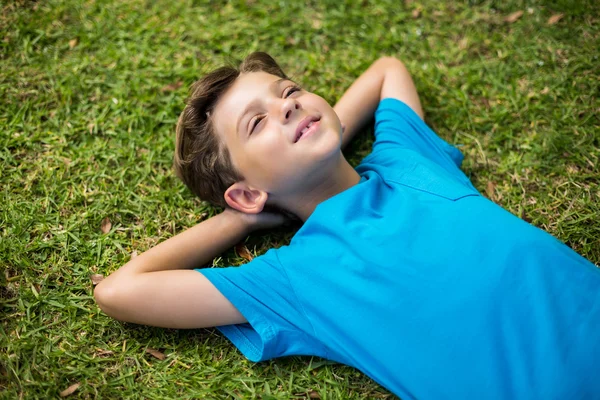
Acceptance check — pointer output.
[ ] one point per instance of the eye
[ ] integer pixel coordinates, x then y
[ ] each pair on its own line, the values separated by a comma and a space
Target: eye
292, 89
255, 123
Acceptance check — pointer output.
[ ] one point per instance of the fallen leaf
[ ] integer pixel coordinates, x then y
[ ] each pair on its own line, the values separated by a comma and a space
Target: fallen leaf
244, 252
523, 84
513, 17
155, 353
316, 23
555, 18
105, 225
171, 87
490, 190
73, 43
96, 278
91, 128
484, 101
134, 254
314, 394
416, 13
70, 390
545, 90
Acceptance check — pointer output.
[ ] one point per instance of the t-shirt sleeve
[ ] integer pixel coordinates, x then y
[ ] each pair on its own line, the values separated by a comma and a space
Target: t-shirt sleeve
397, 126
262, 293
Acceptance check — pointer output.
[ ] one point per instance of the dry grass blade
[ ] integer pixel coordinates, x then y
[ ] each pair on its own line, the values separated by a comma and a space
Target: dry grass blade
104, 353
490, 190
171, 87
244, 252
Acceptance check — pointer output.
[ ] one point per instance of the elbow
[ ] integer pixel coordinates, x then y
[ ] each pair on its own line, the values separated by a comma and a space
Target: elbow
389, 63
106, 296
389, 60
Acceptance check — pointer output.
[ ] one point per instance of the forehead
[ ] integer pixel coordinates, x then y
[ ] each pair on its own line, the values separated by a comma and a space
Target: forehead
247, 90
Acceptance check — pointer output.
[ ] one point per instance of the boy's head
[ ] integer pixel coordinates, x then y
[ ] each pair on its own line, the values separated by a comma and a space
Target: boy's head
243, 138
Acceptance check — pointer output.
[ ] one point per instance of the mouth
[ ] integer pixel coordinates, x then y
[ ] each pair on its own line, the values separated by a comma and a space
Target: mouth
306, 127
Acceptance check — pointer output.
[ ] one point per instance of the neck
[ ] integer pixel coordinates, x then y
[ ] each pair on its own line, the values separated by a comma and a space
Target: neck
326, 184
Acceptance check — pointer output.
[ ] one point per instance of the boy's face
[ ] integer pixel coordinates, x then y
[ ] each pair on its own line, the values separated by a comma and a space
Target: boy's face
260, 118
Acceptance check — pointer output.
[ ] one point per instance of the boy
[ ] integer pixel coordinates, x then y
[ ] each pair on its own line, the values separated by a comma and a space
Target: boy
401, 268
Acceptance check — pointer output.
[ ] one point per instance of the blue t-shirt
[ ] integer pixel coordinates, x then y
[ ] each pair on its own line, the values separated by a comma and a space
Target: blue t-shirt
423, 284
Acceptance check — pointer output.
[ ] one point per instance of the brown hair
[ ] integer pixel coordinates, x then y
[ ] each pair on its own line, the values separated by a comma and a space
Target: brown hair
201, 159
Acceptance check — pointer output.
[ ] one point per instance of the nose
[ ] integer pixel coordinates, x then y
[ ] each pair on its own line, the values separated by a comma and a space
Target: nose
290, 106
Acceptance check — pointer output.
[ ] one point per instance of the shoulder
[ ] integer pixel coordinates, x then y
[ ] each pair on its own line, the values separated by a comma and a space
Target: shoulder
394, 105
393, 114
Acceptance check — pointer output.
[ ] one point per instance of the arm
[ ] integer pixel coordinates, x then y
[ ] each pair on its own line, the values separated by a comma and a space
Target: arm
386, 77
159, 288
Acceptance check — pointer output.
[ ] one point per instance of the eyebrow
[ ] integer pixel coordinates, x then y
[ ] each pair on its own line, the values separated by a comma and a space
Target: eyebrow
255, 102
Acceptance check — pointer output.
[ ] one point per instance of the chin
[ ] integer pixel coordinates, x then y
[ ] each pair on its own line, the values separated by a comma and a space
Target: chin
331, 144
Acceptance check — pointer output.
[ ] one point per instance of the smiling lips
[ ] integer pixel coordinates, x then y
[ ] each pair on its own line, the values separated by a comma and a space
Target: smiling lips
305, 126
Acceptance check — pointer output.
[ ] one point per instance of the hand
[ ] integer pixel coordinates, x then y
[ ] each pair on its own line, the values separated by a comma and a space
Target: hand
262, 220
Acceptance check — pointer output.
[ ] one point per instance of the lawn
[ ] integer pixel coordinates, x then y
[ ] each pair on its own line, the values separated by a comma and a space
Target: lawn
91, 90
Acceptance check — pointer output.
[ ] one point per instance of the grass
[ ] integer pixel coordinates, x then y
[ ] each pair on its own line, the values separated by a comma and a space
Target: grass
90, 94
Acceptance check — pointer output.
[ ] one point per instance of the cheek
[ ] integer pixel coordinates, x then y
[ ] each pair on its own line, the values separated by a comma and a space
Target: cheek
327, 110
265, 152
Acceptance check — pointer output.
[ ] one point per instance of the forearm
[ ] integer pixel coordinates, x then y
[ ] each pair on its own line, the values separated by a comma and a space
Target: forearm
193, 247
158, 288
386, 77
357, 105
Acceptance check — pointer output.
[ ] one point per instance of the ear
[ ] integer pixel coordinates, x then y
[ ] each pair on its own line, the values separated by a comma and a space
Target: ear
243, 198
